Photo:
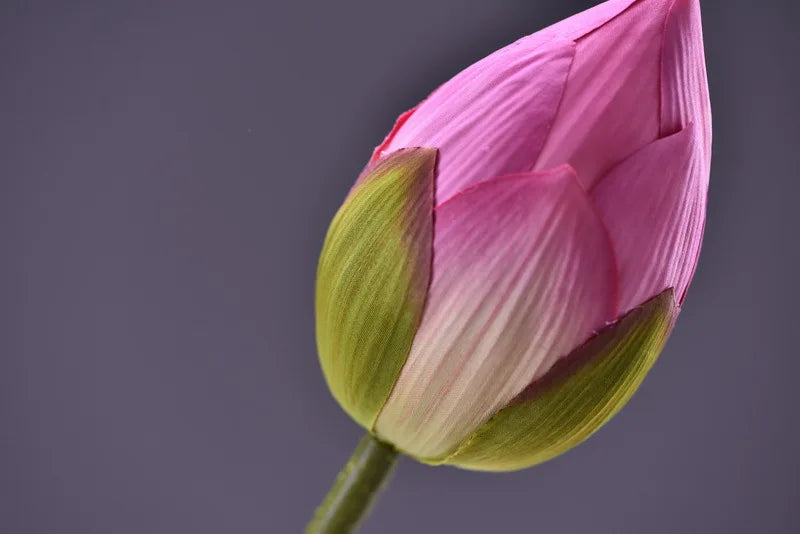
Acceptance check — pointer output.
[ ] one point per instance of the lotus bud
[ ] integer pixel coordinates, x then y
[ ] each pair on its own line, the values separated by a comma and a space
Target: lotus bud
508, 266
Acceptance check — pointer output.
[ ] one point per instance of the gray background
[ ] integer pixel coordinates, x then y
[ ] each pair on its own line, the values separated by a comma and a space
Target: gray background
168, 174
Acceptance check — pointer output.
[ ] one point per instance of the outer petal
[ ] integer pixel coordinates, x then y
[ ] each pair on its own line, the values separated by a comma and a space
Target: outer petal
684, 86
372, 280
611, 103
522, 273
576, 398
492, 118
653, 205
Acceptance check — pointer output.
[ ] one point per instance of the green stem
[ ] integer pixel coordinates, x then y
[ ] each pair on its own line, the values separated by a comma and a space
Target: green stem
355, 488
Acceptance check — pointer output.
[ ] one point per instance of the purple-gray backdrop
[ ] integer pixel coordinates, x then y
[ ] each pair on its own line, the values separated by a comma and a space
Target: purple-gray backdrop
167, 174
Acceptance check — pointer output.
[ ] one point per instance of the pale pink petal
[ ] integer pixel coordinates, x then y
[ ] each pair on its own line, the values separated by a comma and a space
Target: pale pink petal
684, 85
522, 273
492, 118
611, 102
653, 205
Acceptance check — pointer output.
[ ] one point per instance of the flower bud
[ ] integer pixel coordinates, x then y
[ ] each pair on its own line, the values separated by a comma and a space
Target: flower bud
509, 265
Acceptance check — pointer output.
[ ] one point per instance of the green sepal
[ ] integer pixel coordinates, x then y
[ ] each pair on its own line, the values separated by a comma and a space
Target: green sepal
580, 394
373, 278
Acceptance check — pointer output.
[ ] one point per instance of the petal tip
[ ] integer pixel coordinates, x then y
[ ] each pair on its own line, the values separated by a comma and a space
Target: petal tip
420, 161
422, 158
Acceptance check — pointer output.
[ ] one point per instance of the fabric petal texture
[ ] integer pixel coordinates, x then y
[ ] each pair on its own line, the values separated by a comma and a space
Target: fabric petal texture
491, 119
523, 272
611, 102
576, 398
372, 280
684, 82
654, 205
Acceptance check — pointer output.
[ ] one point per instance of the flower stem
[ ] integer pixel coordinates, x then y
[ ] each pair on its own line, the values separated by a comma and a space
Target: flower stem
355, 488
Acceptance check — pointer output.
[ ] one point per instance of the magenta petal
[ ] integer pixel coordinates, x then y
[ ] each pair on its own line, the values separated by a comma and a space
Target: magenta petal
684, 86
653, 205
611, 103
523, 272
492, 118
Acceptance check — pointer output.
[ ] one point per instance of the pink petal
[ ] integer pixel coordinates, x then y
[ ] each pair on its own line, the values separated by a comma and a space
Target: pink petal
570, 29
492, 118
653, 205
684, 86
522, 273
611, 102
587, 21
